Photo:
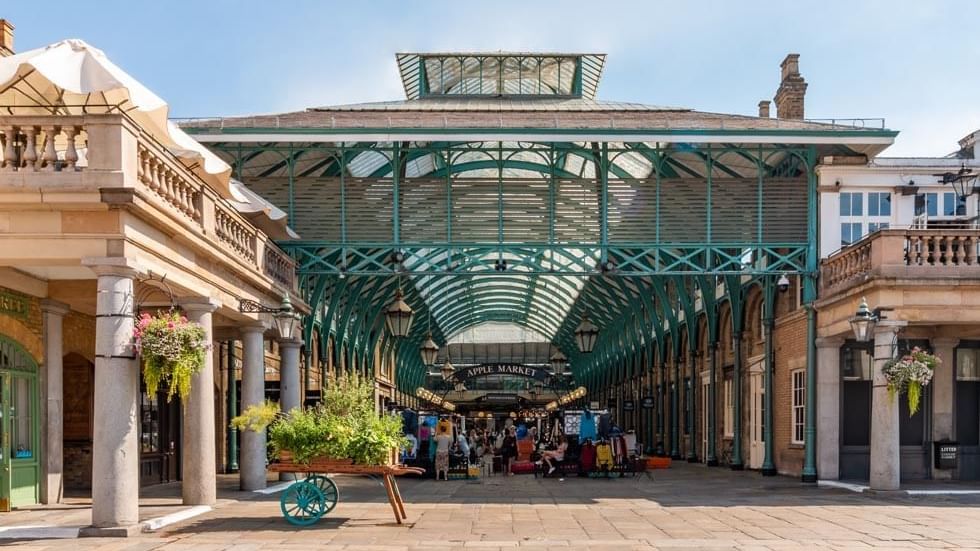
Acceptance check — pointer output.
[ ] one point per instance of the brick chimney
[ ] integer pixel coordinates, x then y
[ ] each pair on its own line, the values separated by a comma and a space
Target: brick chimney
792, 89
6, 38
764, 109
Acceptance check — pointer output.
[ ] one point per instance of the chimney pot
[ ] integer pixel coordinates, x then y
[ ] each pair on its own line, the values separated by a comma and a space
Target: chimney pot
6, 38
792, 90
764, 109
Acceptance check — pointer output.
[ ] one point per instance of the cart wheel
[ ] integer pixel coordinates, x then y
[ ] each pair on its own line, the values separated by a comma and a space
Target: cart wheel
302, 504
331, 494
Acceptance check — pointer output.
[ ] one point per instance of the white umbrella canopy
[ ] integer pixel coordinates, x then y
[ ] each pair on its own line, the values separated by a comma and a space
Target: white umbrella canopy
71, 77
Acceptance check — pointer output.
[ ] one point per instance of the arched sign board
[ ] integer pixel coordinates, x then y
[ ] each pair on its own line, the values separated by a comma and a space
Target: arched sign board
464, 374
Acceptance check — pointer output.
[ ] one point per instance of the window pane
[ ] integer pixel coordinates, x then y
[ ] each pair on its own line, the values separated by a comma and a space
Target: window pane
21, 445
857, 204
932, 204
845, 204
966, 364
949, 204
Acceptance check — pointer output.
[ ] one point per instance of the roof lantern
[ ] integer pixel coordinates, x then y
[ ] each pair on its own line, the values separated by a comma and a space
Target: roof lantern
500, 74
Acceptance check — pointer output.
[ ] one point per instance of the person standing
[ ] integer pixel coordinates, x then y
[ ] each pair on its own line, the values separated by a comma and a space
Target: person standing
443, 442
508, 450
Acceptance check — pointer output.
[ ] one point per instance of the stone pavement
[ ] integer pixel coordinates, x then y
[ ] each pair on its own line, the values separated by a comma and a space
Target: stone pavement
687, 507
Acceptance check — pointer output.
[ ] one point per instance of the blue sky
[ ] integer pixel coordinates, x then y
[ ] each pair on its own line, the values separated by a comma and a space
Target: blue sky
913, 63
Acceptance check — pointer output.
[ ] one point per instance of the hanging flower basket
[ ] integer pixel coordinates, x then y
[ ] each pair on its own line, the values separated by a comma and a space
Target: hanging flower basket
908, 374
171, 350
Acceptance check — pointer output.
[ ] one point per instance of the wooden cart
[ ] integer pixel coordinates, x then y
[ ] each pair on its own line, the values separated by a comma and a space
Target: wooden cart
305, 501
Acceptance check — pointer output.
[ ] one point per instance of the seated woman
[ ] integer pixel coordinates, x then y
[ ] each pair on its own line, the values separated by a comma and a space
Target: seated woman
550, 456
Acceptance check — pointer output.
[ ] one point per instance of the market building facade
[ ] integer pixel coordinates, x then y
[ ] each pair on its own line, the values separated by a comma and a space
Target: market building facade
714, 260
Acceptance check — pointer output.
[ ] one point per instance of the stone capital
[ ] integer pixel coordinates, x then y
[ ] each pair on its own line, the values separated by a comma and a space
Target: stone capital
112, 265
51, 306
203, 305
289, 343
829, 342
252, 328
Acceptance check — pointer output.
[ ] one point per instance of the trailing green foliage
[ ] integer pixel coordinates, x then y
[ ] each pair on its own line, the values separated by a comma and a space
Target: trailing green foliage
344, 426
172, 350
256, 417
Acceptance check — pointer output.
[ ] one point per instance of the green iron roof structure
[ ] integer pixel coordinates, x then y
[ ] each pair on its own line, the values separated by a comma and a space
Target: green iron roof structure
503, 191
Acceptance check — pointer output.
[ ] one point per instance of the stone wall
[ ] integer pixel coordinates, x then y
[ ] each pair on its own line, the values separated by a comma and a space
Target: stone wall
78, 465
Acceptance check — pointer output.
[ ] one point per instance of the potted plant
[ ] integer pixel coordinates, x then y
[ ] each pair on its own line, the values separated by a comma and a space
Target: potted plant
344, 428
908, 374
172, 350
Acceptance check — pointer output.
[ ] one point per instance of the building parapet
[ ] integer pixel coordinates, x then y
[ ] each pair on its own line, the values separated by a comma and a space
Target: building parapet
898, 253
92, 153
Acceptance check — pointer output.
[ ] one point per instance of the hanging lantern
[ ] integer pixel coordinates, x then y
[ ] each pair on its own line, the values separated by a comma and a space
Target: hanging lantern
447, 370
863, 323
558, 362
429, 350
585, 335
287, 319
398, 316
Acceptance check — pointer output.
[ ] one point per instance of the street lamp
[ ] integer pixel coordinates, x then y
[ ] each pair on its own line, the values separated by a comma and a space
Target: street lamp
285, 316
287, 319
864, 321
585, 335
963, 181
558, 362
398, 316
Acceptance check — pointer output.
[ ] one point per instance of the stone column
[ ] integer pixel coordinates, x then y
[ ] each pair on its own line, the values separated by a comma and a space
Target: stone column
115, 446
828, 407
885, 456
944, 396
52, 388
253, 452
289, 381
198, 460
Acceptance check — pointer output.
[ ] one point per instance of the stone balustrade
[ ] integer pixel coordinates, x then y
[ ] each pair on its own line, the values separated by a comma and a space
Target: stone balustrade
49, 144
109, 153
899, 253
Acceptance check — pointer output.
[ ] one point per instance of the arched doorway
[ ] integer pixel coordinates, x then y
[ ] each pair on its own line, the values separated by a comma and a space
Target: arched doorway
19, 434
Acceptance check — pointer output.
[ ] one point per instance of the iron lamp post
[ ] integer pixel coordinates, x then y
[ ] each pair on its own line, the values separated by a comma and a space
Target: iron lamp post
285, 316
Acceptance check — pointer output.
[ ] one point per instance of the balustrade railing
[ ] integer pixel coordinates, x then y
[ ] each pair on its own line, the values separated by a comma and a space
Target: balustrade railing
63, 144
41, 143
899, 253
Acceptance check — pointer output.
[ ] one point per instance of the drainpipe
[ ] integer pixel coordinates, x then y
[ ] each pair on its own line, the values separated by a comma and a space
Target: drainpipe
675, 394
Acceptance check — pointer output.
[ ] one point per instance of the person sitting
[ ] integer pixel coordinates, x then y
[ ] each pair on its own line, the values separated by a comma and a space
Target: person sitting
551, 457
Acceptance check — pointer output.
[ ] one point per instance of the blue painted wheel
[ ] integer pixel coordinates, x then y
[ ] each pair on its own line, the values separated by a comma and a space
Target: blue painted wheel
302, 504
331, 494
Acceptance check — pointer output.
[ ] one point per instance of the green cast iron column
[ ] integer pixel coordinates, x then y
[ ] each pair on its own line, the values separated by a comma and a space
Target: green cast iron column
692, 449
231, 465
675, 394
737, 464
809, 296
712, 458
768, 467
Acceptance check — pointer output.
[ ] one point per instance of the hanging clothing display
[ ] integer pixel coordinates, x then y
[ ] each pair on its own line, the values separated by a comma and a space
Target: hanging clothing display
586, 457
587, 426
603, 455
605, 424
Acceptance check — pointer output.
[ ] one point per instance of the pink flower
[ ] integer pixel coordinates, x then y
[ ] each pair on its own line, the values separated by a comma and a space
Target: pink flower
170, 325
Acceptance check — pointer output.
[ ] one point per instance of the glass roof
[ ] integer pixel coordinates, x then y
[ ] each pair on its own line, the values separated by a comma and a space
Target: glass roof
524, 74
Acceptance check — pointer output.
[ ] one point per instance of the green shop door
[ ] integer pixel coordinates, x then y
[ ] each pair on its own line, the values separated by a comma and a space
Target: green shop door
19, 461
